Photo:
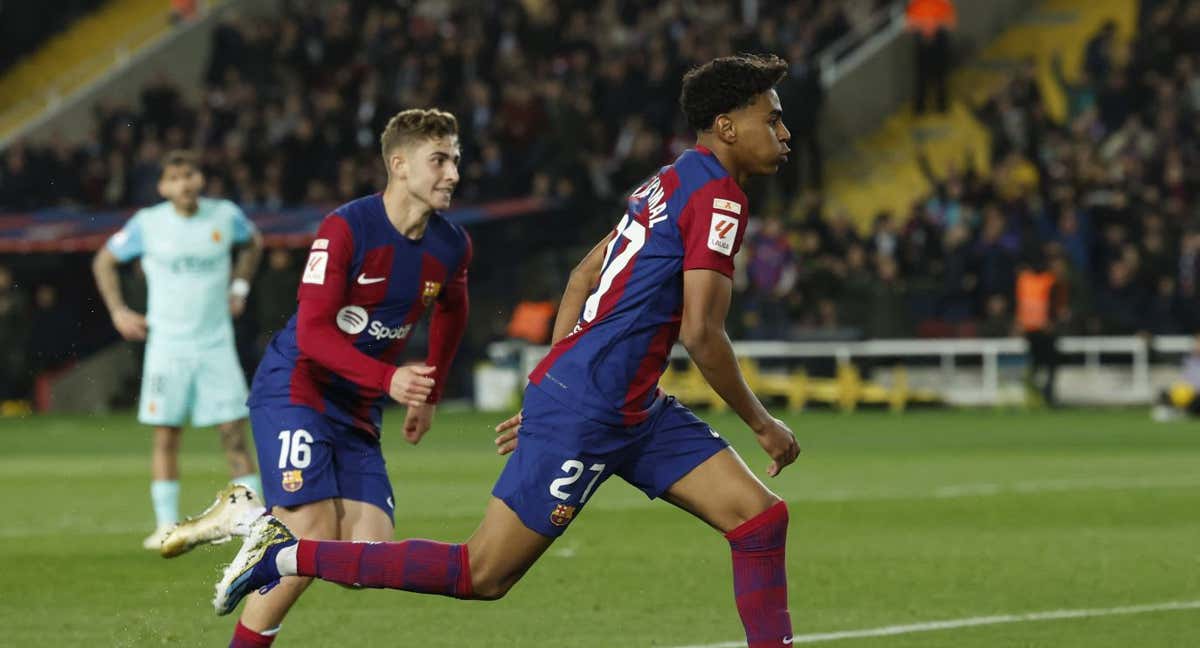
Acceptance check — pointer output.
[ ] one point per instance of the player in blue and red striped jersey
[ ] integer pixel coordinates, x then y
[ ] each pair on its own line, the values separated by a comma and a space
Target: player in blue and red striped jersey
377, 264
593, 408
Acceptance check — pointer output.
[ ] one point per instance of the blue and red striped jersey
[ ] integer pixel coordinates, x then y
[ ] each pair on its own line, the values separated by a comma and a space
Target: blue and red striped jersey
690, 215
364, 287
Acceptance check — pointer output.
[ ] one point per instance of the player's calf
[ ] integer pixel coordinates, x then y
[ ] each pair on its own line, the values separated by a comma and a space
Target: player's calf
760, 577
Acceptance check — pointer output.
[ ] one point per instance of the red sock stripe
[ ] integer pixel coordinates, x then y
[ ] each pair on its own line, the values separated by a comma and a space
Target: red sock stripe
306, 557
771, 516
463, 589
244, 637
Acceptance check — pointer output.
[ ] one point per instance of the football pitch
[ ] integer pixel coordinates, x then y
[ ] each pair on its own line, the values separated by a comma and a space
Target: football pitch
1055, 529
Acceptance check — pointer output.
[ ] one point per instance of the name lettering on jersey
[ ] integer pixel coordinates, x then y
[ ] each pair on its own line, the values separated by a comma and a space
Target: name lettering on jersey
654, 193
722, 232
314, 270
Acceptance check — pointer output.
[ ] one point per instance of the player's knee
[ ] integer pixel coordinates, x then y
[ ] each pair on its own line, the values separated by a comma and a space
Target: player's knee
489, 589
488, 584
754, 507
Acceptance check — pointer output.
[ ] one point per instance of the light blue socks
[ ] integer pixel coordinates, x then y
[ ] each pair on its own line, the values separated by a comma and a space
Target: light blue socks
164, 494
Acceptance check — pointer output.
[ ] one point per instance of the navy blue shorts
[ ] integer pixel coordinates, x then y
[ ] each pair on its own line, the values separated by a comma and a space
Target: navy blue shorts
306, 457
562, 458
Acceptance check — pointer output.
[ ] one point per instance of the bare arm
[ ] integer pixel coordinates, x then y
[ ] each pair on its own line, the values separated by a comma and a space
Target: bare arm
244, 267
583, 278
104, 268
246, 262
131, 325
706, 297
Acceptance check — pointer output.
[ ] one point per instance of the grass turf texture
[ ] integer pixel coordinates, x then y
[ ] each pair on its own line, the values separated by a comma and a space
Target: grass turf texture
895, 520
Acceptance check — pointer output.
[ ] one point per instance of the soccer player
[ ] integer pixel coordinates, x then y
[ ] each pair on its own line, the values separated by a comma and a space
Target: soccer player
191, 365
592, 408
377, 264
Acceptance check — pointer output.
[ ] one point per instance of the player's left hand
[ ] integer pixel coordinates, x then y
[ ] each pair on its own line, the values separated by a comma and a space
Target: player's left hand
237, 306
417, 421
507, 441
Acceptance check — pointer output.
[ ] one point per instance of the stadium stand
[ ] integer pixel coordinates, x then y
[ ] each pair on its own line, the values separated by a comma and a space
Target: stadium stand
1076, 160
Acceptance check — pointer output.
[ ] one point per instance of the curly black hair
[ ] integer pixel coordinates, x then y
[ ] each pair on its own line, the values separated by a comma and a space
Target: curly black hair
726, 84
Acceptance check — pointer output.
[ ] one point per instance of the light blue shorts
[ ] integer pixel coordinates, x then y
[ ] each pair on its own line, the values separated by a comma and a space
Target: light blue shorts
206, 384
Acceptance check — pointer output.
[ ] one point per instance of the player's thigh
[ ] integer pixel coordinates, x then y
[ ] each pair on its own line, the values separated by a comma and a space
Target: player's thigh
220, 387
722, 491
363, 522
361, 472
167, 377
685, 462
560, 462
501, 550
296, 455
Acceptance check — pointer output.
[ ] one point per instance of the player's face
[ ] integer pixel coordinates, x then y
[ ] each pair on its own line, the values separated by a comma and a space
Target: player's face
181, 184
431, 171
761, 136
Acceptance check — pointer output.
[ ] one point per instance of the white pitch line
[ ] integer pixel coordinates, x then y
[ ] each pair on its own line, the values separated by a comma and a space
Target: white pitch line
969, 622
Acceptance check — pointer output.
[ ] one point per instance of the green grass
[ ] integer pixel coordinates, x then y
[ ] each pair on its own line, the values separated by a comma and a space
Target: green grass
895, 520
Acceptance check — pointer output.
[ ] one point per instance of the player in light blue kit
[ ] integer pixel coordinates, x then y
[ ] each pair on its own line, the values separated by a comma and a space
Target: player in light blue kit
191, 365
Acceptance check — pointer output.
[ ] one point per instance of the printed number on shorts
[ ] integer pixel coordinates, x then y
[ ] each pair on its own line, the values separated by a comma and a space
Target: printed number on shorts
296, 448
574, 470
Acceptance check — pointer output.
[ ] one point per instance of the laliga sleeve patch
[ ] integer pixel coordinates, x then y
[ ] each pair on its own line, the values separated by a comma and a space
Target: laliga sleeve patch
314, 270
722, 233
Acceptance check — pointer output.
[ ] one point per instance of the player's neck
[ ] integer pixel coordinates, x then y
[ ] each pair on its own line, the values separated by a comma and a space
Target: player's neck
187, 210
408, 216
724, 156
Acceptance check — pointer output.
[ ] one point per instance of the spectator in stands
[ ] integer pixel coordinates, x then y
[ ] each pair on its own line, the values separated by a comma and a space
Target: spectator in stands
1040, 303
932, 21
274, 295
887, 308
14, 330
1120, 303
54, 329
771, 273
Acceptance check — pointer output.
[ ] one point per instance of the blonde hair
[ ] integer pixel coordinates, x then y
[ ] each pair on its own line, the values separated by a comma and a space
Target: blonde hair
414, 124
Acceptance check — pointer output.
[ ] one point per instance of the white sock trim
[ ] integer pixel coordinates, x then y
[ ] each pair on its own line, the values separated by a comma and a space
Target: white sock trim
285, 560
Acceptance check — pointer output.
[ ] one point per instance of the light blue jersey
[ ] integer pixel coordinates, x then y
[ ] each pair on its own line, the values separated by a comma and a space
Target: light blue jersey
186, 260
191, 364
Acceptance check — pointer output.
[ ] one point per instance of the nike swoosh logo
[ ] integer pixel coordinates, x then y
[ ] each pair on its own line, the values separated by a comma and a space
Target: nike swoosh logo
364, 280
788, 640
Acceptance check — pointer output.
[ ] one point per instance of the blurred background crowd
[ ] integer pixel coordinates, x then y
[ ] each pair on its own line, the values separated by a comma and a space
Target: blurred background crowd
576, 102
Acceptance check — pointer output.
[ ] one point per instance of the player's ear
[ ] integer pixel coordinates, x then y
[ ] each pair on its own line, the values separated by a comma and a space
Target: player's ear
397, 166
725, 128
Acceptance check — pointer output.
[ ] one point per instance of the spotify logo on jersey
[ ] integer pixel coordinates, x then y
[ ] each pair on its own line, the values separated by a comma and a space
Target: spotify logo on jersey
352, 319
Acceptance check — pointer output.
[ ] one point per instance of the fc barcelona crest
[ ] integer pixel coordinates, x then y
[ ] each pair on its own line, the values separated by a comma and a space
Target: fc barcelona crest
562, 514
431, 291
293, 480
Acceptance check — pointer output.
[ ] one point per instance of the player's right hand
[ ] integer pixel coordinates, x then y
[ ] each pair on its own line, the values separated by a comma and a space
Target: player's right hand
131, 325
778, 441
411, 384
506, 442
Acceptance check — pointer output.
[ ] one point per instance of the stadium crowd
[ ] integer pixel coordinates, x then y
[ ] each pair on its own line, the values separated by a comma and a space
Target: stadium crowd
1104, 201
577, 101
575, 98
